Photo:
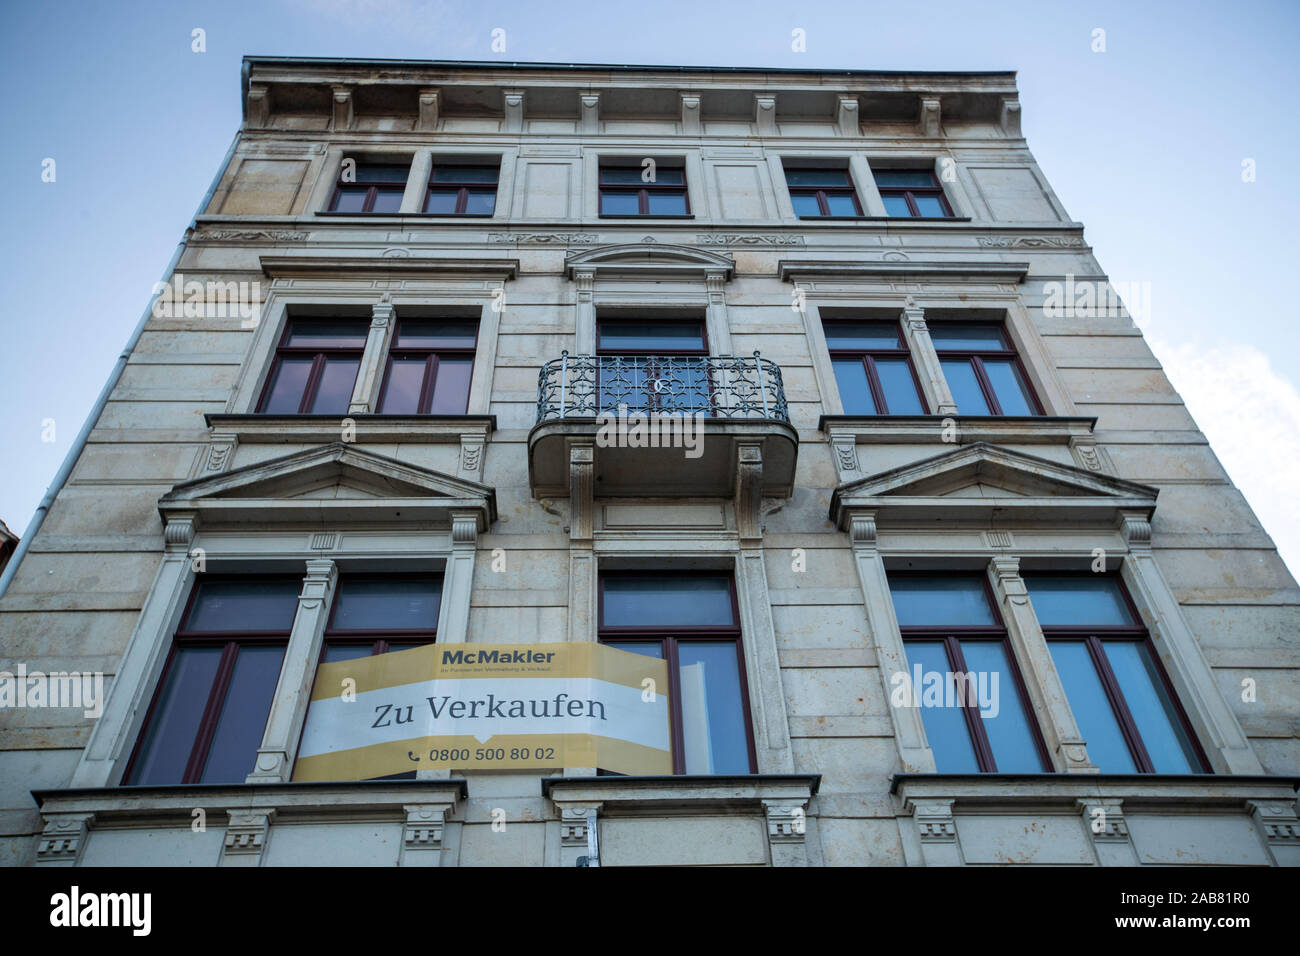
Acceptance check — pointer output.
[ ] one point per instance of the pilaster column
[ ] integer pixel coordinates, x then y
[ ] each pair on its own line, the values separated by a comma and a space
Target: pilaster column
417, 182
365, 394
766, 687
928, 369
716, 317
864, 181
1046, 693
584, 319
297, 674
1213, 720
458, 579
914, 752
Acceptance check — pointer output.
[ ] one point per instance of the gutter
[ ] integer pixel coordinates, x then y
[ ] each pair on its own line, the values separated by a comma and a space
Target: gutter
79, 444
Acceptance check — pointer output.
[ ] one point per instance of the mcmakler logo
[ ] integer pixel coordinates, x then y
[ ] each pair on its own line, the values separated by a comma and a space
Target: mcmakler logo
182, 299
922, 688
58, 689
75, 909
658, 430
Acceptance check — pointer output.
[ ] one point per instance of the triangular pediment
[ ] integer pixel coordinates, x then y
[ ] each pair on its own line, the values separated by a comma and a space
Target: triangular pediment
339, 478
980, 477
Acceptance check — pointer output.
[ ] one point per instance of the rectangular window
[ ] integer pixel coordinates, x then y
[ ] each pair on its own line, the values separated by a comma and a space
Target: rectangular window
914, 193
654, 365
315, 367
982, 369
822, 193
872, 368
625, 191
462, 191
370, 187
964, 677
209, 712
1118, 692
691, 621
430, 365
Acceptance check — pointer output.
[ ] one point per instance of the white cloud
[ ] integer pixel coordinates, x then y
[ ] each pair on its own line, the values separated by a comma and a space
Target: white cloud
1251, 415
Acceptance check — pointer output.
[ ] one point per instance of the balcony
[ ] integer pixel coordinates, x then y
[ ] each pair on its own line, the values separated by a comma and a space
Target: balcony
662, 426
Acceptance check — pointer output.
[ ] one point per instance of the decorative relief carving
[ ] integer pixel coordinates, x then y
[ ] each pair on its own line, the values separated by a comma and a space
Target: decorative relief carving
423, 827
219, 456
739, 239
246, 833
324, 540
847, 453
61, 840
179, 532
1032, 242
786, 823
469, 457
546, 238
247, 235
862, 530
999, 540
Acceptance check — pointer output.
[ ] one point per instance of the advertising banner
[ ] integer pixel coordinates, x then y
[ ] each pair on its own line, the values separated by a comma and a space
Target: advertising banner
487, 706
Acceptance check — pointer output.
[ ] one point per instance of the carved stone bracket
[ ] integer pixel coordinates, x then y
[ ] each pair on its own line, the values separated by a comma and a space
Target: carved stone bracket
514, 106
1105, 820
765, 114
1010, 117
422, 833
1280, 827
589, 113
862, 530
220, 453
1136, 529
429, 104
846, 116
934, 822
846, 457
258, 105
582, 487
471, 457
246, 836
787, 820
179, 533
931, 117
344, 115
62, 840
749, 491
690, 114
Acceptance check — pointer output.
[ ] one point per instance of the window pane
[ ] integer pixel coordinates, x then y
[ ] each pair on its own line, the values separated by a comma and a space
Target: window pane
328, 335
1009, 387
288, 382
621, 175
669, 177
349, 200
378, 604
465, 174
940, 600
441, 201
930, 205
388, 199
402, 391
247, 604
1091, 707
336, 383
896, 205
713, 710
965, 387
175, 722
855, 395
841, 204
451, 386
346, 652
438, 333
805, 204
1078, 600
861, 335
817, 177
903, 178
243, 715
646, 336
648, 648
945, 727
899, 386
1006, 721
480, 202
667, 600
619, 204
666, 203
1148, 700
381, 173
950, 335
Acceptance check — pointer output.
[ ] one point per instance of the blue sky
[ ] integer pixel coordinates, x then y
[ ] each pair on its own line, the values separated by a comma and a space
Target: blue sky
1144, 144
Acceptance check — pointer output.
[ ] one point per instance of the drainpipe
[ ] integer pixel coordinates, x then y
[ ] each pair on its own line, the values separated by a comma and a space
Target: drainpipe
61, 478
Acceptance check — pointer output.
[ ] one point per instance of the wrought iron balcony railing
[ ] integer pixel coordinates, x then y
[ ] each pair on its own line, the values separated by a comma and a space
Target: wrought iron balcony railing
717, 386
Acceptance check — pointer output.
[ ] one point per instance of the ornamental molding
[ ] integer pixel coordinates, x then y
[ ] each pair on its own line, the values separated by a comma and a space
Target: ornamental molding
247, 235
545, 238
1032, 242
742, 239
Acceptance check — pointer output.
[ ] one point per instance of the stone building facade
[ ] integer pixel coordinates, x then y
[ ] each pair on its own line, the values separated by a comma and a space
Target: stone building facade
929, 443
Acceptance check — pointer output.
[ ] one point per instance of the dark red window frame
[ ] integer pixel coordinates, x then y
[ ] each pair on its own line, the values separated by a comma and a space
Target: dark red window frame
670, 637
464, 189
702, 351
643, 191
431, 355
820, 192
952, 636
977, 356
230, 642
1093, 637
319, 356
909, 193
371, 189
869, 355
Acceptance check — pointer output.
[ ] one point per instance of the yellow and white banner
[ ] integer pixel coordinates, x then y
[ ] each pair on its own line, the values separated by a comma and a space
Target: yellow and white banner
487, 706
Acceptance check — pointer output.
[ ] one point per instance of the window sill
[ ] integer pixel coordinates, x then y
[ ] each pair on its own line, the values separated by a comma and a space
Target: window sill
256, 428
884, 218
929, 429
637, 217
1043, 789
